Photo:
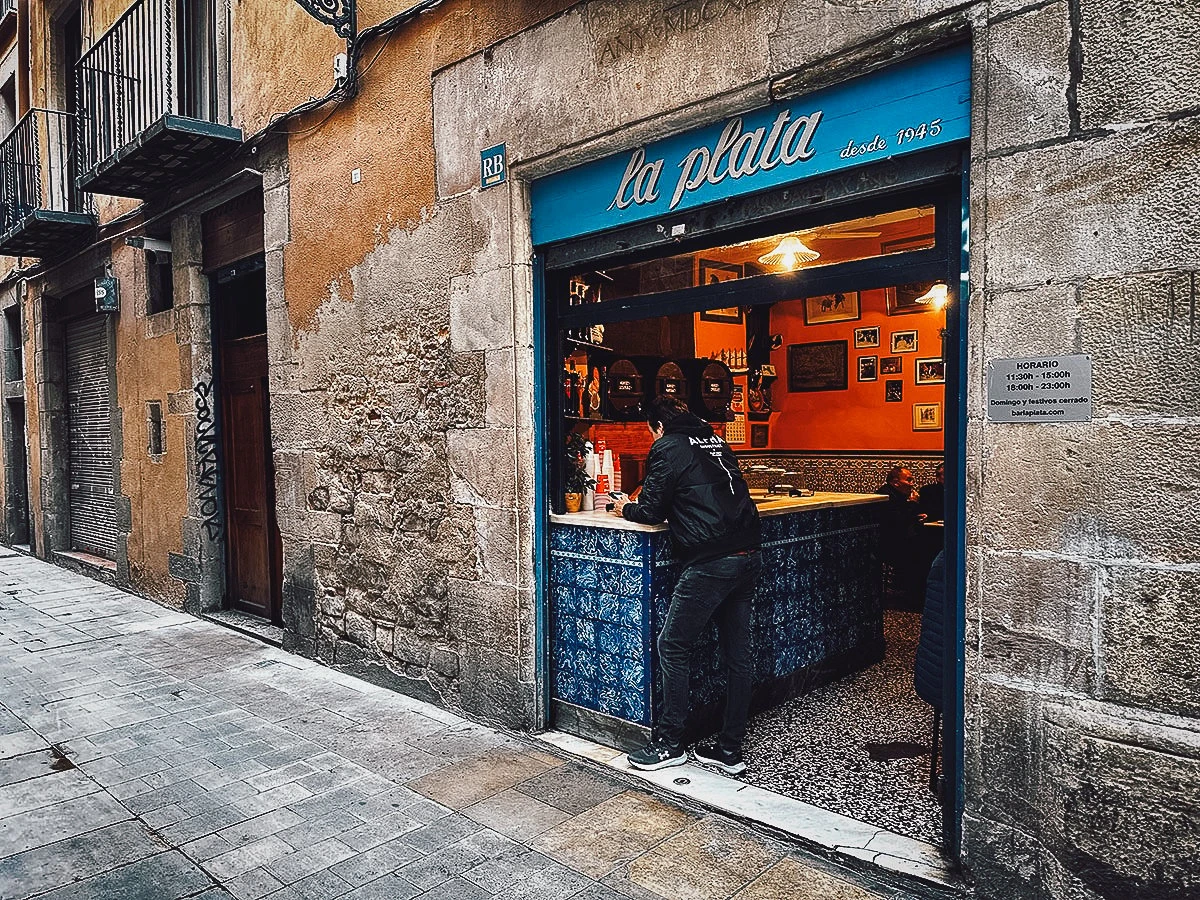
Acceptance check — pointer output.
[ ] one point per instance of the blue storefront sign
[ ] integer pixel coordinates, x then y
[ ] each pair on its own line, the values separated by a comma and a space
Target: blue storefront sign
493, 166
903, 109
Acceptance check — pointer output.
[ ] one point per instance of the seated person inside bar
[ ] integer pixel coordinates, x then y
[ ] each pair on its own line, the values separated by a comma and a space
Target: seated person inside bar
899, 543
933, 496
694, 483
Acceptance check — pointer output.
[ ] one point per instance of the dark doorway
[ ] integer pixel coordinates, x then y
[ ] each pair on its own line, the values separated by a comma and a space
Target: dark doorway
197, 59
253, 556
19, 531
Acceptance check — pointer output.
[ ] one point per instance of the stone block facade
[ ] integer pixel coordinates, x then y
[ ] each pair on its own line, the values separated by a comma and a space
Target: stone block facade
400, 343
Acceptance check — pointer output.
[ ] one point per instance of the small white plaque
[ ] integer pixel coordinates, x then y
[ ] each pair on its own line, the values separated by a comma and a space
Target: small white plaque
1040, 389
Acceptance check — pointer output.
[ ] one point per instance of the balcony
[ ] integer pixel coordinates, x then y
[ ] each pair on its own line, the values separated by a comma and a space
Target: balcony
41, 208
154, 98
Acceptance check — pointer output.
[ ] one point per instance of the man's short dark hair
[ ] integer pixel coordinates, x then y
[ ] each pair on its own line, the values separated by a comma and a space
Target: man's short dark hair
893, 475
664, 409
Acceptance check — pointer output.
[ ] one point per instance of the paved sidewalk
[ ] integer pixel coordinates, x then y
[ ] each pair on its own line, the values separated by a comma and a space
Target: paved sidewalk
147, 754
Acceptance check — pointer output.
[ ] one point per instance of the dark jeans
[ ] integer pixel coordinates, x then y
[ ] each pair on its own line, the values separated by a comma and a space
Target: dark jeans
724, 587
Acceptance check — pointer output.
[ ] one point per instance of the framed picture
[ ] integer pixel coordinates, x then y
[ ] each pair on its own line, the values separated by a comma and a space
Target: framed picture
902, 298
927, 417
832, 308
866, 338
868, 368
713, 272
819, 366
759, 435
893, 390
931, 371
904, 342
891, 365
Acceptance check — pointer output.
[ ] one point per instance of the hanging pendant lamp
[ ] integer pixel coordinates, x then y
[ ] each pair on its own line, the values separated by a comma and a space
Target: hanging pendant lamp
790, 252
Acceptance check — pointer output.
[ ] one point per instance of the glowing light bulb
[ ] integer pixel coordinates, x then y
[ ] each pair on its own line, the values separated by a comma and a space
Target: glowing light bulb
937, 296
790, 252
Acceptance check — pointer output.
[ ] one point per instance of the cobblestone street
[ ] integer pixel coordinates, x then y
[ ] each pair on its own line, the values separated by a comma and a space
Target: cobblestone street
145, 753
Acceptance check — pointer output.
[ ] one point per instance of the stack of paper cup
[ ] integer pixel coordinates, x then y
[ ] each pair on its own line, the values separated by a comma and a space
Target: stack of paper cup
589, 496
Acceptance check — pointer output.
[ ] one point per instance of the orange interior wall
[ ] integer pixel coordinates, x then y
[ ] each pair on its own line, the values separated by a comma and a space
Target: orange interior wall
711, 339
856, 418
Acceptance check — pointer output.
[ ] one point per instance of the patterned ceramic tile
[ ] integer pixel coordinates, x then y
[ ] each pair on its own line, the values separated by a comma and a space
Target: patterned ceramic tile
610, 596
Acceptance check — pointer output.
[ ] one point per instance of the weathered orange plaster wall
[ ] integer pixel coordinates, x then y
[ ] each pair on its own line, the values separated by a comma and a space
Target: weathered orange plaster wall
32, 423
856, 418
281, 56
148, 368
386, 133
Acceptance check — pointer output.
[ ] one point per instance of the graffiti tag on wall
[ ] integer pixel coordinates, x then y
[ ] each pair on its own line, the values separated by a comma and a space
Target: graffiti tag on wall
206, 461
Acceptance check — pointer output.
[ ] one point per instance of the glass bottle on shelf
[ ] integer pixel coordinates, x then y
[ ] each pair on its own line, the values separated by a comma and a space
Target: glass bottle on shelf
595, 390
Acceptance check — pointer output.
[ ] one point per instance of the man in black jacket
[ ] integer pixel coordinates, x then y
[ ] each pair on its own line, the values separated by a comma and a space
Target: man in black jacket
694, 483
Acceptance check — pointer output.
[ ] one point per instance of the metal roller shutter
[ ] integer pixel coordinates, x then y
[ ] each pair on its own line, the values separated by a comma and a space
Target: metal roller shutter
90, 440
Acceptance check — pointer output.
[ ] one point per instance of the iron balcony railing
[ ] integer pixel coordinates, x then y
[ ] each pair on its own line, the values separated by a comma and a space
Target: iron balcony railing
37, 168
161, 58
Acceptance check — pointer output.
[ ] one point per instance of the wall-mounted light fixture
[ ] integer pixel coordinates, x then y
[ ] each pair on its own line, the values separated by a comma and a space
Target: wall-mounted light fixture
790, 252
937, 296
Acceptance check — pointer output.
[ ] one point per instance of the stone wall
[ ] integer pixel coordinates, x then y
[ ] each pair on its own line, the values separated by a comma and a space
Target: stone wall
398, 425
1083, 745
1082, 739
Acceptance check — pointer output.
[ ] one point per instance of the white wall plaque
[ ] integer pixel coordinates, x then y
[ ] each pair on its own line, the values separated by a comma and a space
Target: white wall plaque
1040, 389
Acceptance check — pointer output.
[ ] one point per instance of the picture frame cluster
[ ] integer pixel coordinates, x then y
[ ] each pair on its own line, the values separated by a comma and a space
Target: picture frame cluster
928, 370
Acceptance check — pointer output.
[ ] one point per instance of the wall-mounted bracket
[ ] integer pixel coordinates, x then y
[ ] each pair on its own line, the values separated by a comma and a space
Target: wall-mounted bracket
341, 14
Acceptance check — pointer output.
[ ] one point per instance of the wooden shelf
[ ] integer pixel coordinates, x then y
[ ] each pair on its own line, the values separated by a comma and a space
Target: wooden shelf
577, 342
594, 421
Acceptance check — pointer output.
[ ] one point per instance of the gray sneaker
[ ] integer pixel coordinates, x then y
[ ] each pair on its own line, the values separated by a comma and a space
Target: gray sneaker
710, 753
658, 754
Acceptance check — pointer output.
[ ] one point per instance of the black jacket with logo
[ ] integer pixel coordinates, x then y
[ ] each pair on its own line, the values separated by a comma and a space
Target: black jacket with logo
694, 482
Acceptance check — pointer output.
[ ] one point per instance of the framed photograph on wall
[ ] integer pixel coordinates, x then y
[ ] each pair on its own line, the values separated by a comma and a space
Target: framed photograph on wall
904, 342
868, 368
891, 365
759, 435
819, 366
893, 390
832, 308
866, 338
931, 371
927, 417
901, 298
710, 271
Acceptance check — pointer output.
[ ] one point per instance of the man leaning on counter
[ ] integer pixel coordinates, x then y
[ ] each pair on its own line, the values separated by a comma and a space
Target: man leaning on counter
694, 483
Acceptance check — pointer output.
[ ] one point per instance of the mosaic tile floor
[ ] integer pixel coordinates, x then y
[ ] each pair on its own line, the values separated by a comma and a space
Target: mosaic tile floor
814, 748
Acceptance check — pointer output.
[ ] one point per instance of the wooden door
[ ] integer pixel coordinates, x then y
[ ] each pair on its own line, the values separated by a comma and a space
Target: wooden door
254, 567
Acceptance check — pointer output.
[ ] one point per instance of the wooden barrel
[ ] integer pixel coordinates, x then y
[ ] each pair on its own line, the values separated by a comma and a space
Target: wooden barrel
626, 390
711, 385
671, 381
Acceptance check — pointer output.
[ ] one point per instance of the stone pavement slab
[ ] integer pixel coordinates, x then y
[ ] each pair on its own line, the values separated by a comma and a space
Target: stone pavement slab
169, 875
191, 761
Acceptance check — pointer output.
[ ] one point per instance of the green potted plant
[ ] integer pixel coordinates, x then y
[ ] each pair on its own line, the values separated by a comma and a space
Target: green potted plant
576, 480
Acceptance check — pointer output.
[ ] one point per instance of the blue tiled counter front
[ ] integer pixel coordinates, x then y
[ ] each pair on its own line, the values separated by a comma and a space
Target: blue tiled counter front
817, 614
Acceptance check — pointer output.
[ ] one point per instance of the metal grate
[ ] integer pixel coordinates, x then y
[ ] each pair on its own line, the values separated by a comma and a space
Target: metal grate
90, 439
